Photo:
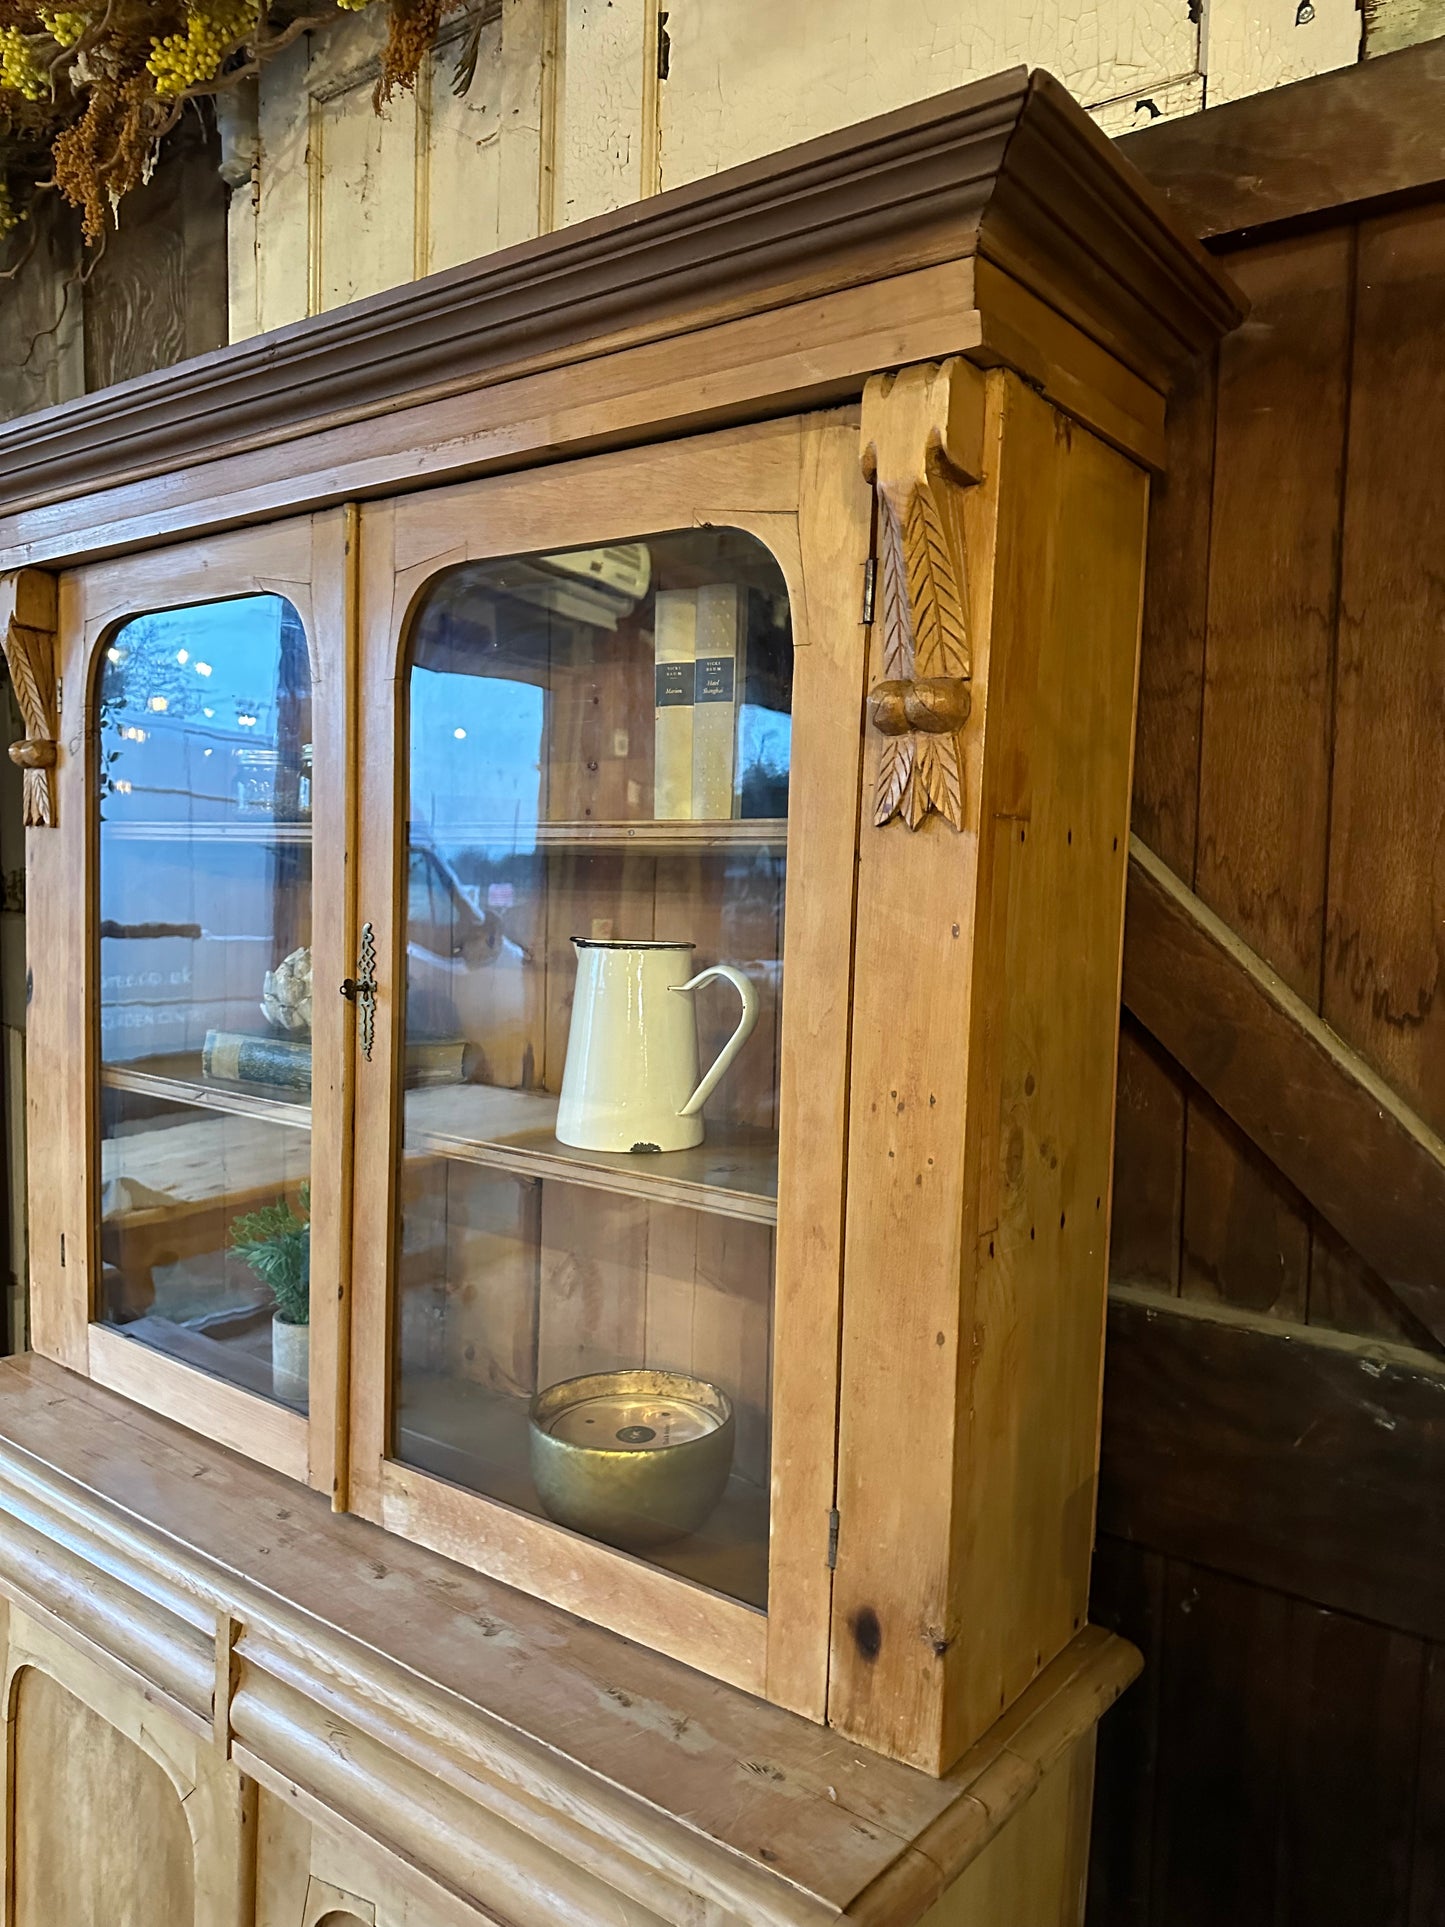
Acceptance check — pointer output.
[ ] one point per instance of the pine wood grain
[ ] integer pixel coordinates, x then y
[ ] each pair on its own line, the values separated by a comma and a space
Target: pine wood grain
956, 1583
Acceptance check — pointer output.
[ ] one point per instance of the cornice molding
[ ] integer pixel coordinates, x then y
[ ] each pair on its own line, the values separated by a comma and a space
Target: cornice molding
1010, 169
487, 1743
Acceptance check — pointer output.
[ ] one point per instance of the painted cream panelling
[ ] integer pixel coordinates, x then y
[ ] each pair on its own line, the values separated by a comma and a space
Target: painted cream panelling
1250, 45
748, 76
607, 115
346, 203
567, 114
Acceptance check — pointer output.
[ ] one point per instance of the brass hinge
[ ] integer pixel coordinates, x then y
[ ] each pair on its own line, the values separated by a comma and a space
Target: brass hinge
870, 588
833, 1540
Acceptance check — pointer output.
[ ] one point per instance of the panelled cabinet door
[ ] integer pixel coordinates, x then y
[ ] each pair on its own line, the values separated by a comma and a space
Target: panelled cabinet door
194, 1190
611, 716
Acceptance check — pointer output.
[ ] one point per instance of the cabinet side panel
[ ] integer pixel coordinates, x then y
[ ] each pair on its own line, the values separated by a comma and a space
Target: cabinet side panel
982, 1122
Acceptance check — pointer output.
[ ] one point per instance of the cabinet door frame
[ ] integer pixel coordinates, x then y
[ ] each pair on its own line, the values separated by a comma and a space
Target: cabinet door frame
306, 560
795, 485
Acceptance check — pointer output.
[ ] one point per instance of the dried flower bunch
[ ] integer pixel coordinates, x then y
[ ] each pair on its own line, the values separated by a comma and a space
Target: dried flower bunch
87, 93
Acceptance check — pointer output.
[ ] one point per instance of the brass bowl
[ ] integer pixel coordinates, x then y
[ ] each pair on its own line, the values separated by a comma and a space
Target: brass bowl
663, 1452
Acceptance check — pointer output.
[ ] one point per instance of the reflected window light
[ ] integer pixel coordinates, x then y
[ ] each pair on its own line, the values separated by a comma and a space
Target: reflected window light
207, 752
134, 735
203, 669
158, 703
115, 655
246, 722
183, 656
122, 786
208, 713
460, 734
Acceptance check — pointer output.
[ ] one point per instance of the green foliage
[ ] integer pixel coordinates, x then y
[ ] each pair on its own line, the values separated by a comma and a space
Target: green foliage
276, 1243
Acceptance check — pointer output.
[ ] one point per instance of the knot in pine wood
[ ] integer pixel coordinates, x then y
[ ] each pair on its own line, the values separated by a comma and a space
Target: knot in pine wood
33, 753
933, 705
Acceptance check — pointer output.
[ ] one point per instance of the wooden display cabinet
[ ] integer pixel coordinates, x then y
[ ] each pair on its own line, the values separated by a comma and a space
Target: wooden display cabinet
750, 579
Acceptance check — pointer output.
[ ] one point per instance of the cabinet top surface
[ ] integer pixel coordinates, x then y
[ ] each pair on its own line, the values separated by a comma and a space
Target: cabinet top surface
1009, 170
826, 1820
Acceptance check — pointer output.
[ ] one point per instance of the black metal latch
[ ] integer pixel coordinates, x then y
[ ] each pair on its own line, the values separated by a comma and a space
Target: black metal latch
361, 989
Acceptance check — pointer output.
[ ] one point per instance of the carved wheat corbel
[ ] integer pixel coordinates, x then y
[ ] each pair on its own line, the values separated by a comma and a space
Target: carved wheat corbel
921, 434
27, 630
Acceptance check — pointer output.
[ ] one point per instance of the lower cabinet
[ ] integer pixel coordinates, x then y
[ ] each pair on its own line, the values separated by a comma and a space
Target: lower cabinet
121, 1816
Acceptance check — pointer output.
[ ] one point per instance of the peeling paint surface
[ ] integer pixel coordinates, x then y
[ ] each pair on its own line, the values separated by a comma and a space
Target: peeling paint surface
750, 76
1250, 45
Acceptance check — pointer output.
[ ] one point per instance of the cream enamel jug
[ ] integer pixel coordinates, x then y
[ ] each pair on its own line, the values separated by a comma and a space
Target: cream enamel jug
630, 1082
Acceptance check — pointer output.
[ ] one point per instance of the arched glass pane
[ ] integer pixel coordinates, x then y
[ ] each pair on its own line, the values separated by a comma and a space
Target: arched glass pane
204, 785
599, 759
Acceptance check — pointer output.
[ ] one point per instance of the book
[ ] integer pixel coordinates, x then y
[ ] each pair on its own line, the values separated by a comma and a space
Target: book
719, 669
284, 1063
674, 645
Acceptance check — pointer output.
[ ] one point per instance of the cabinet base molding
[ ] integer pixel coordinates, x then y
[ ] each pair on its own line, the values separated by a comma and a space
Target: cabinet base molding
430, 1746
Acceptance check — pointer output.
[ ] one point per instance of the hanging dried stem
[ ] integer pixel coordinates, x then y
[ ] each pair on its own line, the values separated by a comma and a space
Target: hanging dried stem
88, 92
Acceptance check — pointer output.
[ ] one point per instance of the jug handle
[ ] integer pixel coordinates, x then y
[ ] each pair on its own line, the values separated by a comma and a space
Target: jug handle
743, 985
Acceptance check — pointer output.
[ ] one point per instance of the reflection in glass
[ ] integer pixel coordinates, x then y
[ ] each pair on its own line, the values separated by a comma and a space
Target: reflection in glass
205, 988
599, 757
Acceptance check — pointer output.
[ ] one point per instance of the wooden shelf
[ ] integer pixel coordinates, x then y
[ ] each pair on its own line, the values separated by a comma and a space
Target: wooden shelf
477, 1438
733, 1174
177, 1080
746, 833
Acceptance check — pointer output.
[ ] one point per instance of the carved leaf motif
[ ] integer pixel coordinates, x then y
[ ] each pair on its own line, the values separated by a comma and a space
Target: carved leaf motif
895, 770
940, 623
941, 778
897, 622
26, 654
22, 651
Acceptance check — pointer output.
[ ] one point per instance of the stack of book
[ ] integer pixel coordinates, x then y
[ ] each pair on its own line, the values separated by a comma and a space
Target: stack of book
699, 637
284, 1063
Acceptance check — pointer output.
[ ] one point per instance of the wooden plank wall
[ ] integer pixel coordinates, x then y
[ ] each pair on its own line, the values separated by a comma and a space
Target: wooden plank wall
1283, 1759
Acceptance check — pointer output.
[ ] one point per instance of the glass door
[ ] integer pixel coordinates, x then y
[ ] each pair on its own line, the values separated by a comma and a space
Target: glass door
597, 1288
205, 750
598, 746
202, 839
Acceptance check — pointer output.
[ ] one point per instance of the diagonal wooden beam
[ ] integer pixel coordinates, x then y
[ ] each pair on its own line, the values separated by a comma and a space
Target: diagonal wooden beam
1336, 1130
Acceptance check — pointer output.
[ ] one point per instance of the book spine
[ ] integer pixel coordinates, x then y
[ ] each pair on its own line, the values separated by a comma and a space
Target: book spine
674, 642
257, 1060
721, 615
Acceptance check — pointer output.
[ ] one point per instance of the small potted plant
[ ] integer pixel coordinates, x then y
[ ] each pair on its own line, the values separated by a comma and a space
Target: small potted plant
276, 1243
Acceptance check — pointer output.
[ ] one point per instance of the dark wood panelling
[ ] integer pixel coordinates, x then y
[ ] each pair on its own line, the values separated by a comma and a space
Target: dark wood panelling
1149, 1154
1269, 1775
1127, 1596
1222, 1712
1320, 1115
1384, 987
158, 291
1427, 1881
1264, 757
1349, 1768
39, 314
1360, 134
1301, 1460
